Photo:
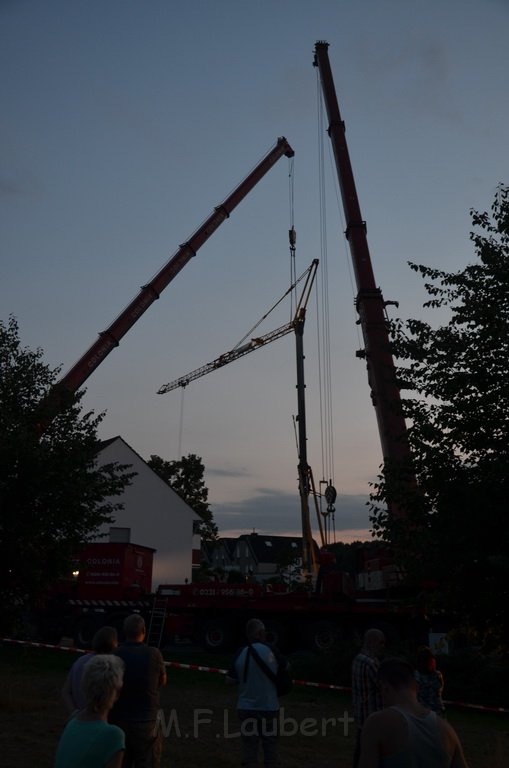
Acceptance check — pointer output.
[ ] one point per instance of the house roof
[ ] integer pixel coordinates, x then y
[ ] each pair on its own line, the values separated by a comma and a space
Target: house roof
105, 443
270, 549
102, 445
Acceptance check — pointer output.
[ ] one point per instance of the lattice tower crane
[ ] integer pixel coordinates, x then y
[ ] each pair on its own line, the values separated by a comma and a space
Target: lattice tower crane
306, 484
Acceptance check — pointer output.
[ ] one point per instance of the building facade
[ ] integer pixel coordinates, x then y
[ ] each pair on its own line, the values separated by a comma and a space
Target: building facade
153, 515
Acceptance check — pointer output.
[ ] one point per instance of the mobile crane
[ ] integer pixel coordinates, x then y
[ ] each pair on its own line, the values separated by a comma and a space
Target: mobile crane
297, 325
338, 608
370, 303
61, 393
218, 612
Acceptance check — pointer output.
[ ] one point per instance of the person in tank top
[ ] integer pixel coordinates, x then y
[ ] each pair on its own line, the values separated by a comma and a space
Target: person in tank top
406, 734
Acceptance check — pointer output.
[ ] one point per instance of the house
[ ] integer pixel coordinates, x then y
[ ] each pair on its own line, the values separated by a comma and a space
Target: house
260, 556
219, 555
154, 516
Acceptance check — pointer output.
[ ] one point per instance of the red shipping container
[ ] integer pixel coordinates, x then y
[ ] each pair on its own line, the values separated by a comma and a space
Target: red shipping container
111, 571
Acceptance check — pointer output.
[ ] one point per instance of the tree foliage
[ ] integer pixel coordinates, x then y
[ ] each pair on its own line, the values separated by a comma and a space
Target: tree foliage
52, 495
454, 378
186, 479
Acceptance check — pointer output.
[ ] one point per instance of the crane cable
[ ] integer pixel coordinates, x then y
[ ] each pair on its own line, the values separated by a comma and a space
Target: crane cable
292, 235
181, 423
328, 411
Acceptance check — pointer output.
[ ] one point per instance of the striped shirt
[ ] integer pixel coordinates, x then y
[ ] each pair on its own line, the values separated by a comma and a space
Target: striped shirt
365, 691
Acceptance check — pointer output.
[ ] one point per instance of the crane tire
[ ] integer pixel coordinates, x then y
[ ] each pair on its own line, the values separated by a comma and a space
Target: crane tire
217, 634
85, 629
321, 636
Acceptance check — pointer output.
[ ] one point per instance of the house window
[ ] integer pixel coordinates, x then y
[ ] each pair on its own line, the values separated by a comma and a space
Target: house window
268, 543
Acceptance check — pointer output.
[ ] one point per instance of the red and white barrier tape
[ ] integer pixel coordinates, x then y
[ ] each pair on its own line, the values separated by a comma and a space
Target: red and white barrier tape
194, 667
217, 670
199, 668
42, 645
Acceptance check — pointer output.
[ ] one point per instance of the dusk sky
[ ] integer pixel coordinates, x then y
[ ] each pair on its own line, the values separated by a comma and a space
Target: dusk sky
124, 123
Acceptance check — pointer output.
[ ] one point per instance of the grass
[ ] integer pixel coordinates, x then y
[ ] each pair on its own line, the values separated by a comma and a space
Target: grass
199, 717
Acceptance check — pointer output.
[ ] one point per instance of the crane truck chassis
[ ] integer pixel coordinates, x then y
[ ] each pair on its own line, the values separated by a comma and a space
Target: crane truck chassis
214, 614
113, 580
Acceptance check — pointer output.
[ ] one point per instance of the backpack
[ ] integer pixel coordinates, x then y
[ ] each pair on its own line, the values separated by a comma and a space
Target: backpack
281, 679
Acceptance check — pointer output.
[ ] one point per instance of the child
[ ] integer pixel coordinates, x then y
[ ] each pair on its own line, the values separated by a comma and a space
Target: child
430, 682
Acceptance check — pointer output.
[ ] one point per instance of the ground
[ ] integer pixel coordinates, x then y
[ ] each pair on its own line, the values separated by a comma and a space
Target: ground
198, 714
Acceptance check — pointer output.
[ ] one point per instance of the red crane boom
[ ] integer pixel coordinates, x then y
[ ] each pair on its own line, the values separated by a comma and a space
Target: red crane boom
370, 303
110, 338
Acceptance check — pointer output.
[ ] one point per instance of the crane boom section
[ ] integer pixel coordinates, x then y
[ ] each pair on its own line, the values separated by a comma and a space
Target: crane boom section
228, 357
256, 341
110, 338
370, 303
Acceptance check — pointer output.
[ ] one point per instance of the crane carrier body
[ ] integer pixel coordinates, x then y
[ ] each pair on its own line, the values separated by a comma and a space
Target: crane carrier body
113, 580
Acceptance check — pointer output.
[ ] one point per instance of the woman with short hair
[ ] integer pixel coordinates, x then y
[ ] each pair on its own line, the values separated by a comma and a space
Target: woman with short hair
88, 740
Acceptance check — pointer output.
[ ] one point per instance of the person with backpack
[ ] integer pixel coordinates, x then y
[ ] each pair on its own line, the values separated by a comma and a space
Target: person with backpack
255, 670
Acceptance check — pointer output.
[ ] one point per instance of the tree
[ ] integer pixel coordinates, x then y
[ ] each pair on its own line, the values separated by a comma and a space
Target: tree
348, 554
457, 379
289, 567
52, 495
186, 479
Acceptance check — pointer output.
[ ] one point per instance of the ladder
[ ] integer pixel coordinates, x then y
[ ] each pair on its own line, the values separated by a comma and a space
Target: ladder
157, 621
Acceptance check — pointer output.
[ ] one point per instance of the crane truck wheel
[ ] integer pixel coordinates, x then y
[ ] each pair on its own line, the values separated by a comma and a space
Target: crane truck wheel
217, 634
321, 636
86, 627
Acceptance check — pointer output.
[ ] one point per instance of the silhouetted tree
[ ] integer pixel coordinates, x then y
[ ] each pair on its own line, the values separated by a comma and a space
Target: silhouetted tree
456, 375
52, 493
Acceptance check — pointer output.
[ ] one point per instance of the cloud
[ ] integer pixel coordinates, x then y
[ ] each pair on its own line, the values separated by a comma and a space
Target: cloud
240, 472
276, 512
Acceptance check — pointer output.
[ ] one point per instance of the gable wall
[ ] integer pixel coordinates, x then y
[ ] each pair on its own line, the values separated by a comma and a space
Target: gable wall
156, 515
